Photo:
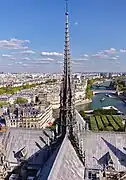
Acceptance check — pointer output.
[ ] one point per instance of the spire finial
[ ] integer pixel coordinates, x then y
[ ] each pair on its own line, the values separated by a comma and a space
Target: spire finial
66, 7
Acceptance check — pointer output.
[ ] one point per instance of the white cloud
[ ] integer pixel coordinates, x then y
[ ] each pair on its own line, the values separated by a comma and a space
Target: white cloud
6, 65
122, 50
24, 65
13, 58
95, 55
81, 59
19, 62
14, 44
59, 62
100, 55
109, 51
6, 55
28, 52
85, 55
114, 58
9, 64
51, 54
39, 62
42, 62
25, 58
106, 54
19, 41
76, 23
78, 64
28, 65
46, 59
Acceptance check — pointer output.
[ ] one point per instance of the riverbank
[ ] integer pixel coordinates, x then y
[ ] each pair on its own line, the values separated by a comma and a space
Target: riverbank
83, 102
77, 103
78, 106
122, 98
109, 101
116, 101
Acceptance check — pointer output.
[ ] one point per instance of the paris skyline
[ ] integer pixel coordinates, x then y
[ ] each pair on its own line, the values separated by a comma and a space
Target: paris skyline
31, 35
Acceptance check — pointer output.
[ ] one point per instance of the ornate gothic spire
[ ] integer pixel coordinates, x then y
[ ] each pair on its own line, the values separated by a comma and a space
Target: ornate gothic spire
67, 119
66, 112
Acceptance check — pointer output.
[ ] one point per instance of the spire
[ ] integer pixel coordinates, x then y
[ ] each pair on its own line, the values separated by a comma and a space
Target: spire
67, 119
66, 94
66, 7
67, 48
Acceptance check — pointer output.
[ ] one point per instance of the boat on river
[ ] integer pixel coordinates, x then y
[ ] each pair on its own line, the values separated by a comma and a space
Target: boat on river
108, 95
102, 99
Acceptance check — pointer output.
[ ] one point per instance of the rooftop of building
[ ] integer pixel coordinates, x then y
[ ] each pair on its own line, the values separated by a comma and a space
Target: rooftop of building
18, 138
98, 145
67, 164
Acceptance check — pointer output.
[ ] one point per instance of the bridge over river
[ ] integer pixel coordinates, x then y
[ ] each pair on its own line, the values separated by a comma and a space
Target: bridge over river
103, 91
102, 86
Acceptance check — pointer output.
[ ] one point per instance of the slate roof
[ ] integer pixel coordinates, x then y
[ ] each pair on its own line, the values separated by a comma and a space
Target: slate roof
64, 163
67, 164
17, 138
45, 171
97, 145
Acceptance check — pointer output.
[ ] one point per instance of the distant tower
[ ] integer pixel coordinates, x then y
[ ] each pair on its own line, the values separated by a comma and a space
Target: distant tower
66, 101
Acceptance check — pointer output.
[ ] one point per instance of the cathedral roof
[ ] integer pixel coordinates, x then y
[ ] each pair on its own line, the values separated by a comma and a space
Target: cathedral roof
17, 138
67, 165
105, 147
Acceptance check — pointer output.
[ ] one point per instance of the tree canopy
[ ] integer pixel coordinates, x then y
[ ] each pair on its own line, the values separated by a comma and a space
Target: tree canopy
21, 100
89, 93
105, 112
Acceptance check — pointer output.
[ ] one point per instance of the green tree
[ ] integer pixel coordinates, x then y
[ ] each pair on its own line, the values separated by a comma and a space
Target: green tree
3, 103
91, 81
120, 87
2, 91
21, 100
89, 94
50, 81
27, 86
82, 113
105, 112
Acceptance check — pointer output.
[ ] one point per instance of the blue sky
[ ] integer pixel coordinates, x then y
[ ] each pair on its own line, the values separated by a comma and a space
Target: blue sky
32, 35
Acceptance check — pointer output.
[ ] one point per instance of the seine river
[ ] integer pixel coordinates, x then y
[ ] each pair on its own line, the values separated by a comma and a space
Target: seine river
109, 101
